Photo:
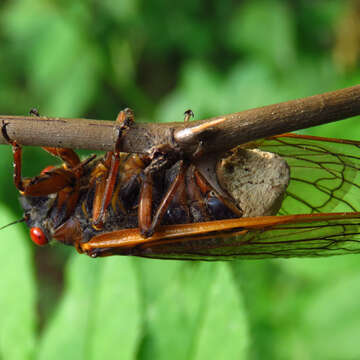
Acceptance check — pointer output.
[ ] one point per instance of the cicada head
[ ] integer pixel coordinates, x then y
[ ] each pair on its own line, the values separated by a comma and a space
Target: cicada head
36, 215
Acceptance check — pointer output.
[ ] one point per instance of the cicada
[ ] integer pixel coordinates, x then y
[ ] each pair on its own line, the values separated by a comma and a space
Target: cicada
288, 195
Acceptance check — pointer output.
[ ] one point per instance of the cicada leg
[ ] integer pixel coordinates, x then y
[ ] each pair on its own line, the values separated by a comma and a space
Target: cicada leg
17, 154
68, 156
49, 181
216, 205
160, 159
203, 198
147, 223
106, 173
61, 180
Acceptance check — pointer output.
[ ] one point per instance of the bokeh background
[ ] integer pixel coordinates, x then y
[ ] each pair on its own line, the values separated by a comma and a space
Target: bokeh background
93, 58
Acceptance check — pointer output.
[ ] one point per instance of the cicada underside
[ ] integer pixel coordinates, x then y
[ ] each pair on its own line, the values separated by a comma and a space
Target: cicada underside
162, 205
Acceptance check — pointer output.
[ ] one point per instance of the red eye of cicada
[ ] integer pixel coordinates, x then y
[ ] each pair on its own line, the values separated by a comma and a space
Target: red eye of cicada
38, 236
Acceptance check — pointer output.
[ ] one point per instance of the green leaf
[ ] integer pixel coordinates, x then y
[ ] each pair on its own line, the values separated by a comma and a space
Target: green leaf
75, 92
99, 314
223, 331
64, 65
66, 68
123, 11
194, 314
324, 312
265, 30
199, 86
18, 294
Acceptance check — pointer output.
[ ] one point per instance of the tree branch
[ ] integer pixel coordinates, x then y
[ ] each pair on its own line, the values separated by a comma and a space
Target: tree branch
217, 134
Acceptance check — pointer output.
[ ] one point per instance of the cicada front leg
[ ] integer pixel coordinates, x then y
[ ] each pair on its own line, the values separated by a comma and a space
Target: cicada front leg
106, 173
49, 181
17, 155
68, 156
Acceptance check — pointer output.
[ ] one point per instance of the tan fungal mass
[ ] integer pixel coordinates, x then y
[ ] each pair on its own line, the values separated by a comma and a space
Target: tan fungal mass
256, 179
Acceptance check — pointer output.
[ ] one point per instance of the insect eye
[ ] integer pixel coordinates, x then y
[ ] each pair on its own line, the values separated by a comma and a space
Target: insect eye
38, 236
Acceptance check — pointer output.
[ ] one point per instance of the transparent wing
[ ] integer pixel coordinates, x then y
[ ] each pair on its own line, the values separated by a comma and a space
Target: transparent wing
324, 173
300, 237
244, 238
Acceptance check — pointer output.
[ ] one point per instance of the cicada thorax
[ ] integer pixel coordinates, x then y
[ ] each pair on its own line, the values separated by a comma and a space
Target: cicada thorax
194, 200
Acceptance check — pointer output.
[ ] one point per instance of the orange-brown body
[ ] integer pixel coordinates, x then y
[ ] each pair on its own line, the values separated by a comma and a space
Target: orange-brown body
161, 206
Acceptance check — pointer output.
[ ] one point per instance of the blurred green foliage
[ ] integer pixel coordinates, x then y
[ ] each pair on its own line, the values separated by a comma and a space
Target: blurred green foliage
93, 58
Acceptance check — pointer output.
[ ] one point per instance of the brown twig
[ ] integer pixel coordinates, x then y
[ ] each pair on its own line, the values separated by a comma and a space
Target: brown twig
217, 134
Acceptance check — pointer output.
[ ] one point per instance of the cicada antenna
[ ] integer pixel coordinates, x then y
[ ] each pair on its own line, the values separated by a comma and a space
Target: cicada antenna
13, 223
